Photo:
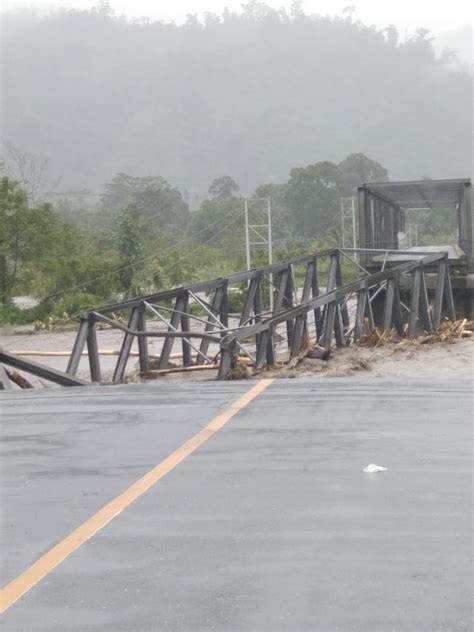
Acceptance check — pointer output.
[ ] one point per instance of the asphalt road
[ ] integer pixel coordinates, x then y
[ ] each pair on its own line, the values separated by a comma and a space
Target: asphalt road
270, 525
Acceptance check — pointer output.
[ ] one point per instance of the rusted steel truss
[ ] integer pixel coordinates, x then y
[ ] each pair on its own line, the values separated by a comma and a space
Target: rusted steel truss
204, 320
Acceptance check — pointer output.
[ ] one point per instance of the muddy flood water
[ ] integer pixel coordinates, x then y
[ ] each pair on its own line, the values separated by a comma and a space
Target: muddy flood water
439, 359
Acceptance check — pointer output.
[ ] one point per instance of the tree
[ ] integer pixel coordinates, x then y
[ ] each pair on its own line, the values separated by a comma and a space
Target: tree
103, 8
223, 188
30, 171
28, 236
297, 9
129, 247
391, 35
210, 220
13, 208
349, 11
356, 169
160, 206
419, 47
313, 197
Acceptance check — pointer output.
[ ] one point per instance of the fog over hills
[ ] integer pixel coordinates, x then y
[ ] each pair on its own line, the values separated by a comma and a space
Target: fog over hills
251, 95
460, 41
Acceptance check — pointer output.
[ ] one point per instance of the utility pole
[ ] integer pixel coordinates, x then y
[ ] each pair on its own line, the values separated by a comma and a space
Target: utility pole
348, 223
247, 233
270, 249
257, 231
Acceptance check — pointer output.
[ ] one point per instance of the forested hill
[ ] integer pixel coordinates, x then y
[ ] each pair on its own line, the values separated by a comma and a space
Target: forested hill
250, 95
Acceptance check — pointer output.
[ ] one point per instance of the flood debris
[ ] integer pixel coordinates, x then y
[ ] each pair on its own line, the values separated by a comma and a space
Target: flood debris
18, 379
387, 354
312, 351
240, 371
448, 331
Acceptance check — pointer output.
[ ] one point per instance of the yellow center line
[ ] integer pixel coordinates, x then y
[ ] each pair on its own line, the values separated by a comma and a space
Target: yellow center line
48, 562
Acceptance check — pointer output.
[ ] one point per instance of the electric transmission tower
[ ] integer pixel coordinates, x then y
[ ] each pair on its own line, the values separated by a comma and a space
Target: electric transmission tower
259, 235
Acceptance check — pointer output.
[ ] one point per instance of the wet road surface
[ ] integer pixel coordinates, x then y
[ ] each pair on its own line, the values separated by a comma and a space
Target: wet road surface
269, 525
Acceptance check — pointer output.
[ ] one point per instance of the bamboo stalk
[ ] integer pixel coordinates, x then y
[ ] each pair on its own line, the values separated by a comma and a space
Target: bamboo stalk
106, 352
183, 369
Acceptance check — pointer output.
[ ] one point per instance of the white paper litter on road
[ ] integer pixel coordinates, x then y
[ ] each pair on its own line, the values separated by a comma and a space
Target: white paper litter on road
374, 469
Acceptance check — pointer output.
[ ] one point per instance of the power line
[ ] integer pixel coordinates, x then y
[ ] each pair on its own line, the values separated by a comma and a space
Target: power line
191, 252
149, 257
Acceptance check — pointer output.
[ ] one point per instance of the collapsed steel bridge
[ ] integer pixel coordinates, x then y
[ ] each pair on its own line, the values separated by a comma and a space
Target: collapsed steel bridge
327, 297
210, 333
311, 301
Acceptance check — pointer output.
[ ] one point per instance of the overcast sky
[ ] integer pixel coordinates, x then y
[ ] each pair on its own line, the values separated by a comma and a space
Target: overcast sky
407, 15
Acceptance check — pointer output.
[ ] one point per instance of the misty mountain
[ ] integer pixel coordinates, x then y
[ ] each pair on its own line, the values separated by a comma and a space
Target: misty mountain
250, 95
